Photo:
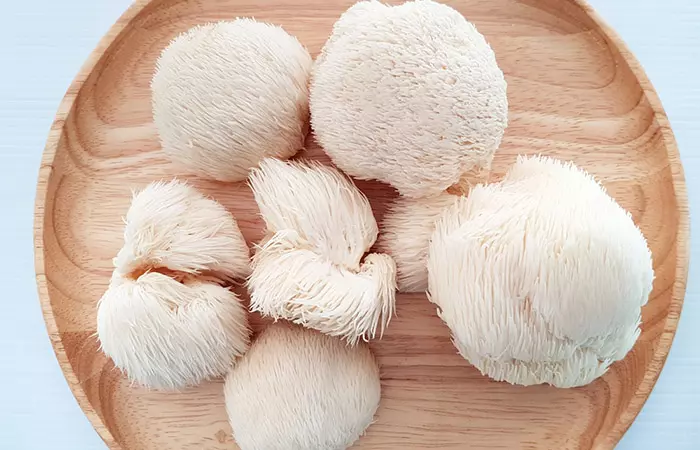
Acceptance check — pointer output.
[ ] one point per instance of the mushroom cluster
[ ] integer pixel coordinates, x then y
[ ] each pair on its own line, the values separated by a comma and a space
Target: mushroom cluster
540, 276
319, 226
167, 319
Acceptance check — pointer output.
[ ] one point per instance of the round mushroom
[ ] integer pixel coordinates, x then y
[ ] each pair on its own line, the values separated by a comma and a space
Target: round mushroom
540, 277
168, 333
410, 95
226, 95
297, 389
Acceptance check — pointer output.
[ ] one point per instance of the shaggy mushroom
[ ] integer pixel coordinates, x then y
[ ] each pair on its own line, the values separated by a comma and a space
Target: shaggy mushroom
297, 389
165, 319
410, 95
309, 269
540, 277
407, 228
226, 95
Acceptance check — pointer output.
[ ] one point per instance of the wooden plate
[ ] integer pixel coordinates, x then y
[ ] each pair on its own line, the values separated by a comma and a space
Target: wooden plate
575, 93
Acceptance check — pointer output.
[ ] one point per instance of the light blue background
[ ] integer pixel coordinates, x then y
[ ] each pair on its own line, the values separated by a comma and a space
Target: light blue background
43, 44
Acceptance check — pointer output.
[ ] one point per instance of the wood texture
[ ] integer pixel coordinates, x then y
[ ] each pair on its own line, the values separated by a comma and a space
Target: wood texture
575, 93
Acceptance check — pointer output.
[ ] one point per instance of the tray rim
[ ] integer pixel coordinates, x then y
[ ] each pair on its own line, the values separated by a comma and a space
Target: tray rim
682, 239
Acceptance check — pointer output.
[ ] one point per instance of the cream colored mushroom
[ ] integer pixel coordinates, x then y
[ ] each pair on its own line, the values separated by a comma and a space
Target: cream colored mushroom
226, 95
170, 334
297, 389
172, 225
310, 268
165, 320
410, 95
408, 225
540, 277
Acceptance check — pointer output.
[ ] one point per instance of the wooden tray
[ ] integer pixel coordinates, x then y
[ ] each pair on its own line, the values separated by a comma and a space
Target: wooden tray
575, 92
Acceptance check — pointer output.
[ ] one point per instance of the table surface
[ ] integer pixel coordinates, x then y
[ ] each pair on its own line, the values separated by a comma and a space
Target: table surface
43, 43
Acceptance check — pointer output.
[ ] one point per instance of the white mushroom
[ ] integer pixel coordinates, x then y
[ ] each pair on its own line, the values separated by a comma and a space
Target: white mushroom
228, 94
172, 225
410, 95
165, 319
168, 334
297, 389
310, 267
540, 277
320, 203
407, 228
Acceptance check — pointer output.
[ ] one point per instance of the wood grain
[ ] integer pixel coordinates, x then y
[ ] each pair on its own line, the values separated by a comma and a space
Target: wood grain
575, 93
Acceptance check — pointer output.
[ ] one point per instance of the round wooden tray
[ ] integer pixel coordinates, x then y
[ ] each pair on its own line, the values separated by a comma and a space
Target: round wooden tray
575, 92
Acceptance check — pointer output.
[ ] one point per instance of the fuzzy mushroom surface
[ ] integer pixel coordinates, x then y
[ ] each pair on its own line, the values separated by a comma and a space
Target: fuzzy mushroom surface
166, 320
540, 277
226, 95
406, 230
410, 95
311, 268
297, 389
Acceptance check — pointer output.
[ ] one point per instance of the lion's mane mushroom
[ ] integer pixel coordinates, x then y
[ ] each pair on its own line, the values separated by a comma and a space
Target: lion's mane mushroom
226, 95
540, 277
165, 319
310, 269
297, 389
410, 95
406, 231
